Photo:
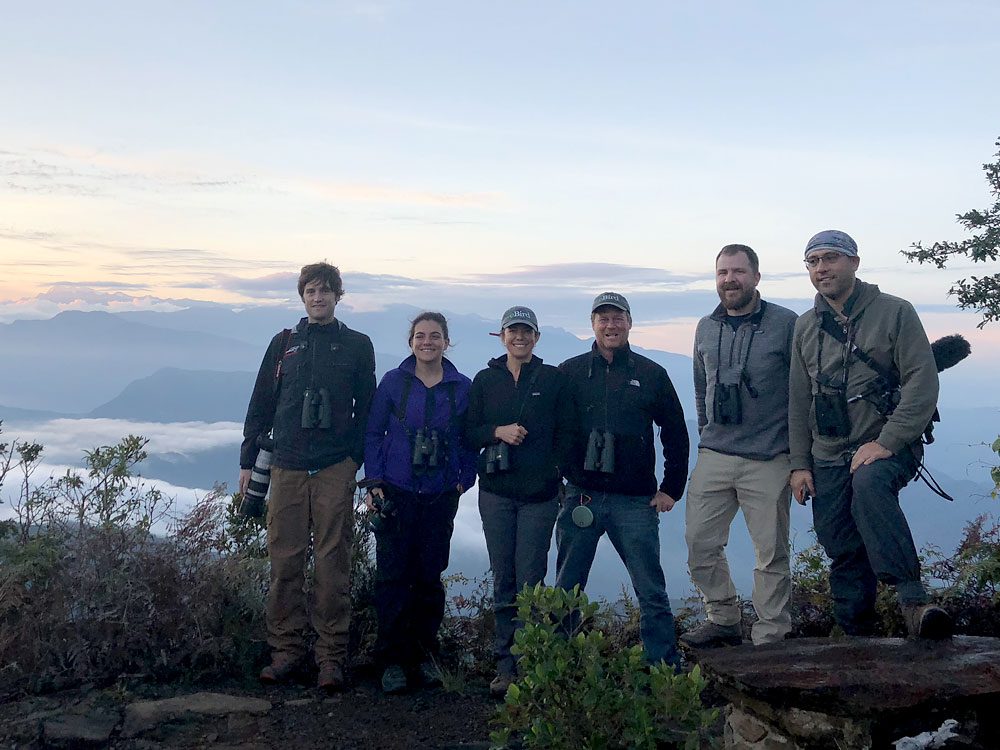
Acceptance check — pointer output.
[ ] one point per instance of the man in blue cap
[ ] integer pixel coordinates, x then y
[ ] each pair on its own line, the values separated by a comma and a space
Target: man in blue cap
863, 386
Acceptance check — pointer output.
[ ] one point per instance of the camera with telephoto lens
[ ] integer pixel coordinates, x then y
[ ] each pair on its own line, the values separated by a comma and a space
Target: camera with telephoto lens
252, 504
497, 457
384, 511
427, 450
600, 452
316, 409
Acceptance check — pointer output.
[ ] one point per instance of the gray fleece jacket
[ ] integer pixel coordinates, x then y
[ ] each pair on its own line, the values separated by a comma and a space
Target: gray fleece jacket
888, 330
756, 355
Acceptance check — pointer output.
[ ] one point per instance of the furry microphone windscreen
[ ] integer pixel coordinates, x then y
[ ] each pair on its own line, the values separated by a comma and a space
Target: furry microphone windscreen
950, 350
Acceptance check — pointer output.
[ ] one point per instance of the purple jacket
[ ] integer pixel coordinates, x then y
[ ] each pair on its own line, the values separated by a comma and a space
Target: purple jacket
389, 440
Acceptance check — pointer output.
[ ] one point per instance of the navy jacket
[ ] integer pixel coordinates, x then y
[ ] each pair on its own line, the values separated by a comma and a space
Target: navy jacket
389, 439
545, 410
316, 356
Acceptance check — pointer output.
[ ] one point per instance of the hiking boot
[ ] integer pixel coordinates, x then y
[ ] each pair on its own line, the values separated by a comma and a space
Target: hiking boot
926, 621
281, 669
499, 685
712, 635
429, 674
331, 678
393, 680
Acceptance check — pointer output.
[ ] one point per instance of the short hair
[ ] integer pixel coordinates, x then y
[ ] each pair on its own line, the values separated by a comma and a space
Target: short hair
322, 272
734, 249
436, 317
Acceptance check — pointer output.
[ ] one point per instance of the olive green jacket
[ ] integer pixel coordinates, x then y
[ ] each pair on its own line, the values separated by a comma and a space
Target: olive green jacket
888, 330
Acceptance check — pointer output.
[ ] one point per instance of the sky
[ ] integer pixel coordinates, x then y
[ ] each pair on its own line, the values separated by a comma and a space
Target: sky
204, 151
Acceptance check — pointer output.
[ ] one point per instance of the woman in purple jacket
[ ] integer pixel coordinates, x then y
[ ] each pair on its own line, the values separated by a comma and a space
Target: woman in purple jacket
418, 466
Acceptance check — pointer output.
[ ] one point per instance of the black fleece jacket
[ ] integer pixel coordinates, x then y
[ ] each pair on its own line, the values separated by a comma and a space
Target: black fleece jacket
627, 397
540, 402
316, 356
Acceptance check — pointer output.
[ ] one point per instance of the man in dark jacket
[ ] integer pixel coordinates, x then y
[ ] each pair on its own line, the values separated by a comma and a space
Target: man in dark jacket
855, 437
619, 396
313, 392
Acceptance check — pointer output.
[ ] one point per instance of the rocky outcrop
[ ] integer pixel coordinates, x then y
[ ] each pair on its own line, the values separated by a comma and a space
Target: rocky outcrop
856, 693
145, 716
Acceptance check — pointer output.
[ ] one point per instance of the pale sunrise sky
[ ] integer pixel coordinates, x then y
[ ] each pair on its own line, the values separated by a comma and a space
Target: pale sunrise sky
192, 150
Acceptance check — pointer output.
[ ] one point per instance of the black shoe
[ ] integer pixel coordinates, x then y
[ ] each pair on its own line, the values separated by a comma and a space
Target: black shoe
927, 621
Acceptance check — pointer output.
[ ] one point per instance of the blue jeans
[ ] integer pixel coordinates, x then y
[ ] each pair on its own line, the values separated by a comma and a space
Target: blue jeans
634, 530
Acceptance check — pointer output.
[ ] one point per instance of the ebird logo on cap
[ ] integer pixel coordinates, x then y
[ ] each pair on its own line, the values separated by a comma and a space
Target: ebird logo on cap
611, 298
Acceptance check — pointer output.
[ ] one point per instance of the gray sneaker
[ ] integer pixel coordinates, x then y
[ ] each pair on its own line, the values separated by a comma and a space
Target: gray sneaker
393, 680
926, 621
712, 635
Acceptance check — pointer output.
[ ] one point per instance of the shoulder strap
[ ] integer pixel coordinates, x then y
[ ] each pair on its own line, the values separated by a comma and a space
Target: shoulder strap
286, 335
404, 399
829, 326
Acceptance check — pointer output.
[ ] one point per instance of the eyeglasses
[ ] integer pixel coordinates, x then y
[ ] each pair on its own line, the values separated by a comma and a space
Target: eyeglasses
830, 259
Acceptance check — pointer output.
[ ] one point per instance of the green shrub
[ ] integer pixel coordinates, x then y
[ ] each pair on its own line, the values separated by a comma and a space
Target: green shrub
577, 691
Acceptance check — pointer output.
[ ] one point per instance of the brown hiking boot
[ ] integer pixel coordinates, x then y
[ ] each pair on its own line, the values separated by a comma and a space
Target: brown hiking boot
281, 669
331, 678
926, 621
712, 635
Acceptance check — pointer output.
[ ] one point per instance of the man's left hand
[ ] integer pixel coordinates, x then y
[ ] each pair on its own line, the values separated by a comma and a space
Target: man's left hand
662, 502
869, 453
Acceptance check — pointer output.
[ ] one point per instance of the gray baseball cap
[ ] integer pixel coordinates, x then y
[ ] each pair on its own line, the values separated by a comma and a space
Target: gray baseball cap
832, 239
519, 314
611, 298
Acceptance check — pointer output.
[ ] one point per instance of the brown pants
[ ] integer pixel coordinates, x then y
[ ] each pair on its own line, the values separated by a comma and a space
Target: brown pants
322, 502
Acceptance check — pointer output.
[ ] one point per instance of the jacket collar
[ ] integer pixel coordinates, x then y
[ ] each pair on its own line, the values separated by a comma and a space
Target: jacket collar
622, 357
451, 373
501, 362
720, 314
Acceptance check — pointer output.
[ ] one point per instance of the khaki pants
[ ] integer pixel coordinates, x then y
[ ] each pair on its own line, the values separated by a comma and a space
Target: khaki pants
323, 503
720, 486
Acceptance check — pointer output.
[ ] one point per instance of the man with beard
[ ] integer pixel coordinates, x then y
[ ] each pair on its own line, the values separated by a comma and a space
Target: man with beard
741, 359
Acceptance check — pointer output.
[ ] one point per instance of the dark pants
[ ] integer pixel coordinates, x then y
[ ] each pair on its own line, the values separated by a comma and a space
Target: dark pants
862, 528
411, 553
634, 530
518, 535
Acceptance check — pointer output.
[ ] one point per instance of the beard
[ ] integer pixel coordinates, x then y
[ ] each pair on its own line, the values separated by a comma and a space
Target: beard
741, 299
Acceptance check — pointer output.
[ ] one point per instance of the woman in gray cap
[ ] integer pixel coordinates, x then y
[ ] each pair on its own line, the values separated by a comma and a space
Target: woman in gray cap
520, 415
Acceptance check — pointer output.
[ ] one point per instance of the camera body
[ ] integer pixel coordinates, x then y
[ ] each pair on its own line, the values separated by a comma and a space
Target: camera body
832, 419
385, 510
252, 504
600, 455
497, 457
317, 411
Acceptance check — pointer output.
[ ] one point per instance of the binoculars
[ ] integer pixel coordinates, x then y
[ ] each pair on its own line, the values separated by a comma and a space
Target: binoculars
727, 407
600, 452
316, 409
497, 457
427, 453
252, 504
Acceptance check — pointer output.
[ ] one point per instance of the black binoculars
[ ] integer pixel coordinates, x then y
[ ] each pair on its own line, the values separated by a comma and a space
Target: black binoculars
427, 450
600, 452
727, 407
497, 457
316, 409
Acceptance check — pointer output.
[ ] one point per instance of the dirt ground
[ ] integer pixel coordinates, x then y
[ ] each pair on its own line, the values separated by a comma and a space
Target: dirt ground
302, 718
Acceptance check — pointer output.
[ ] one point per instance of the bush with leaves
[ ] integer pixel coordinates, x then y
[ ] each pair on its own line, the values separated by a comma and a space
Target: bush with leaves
577, 691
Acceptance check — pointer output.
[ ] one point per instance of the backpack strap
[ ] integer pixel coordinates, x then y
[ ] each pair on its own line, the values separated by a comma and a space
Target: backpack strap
404, 399
286, 335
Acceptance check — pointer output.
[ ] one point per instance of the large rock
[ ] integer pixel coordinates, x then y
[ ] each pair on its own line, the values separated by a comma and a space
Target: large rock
76, 731
856, 692
144, 716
